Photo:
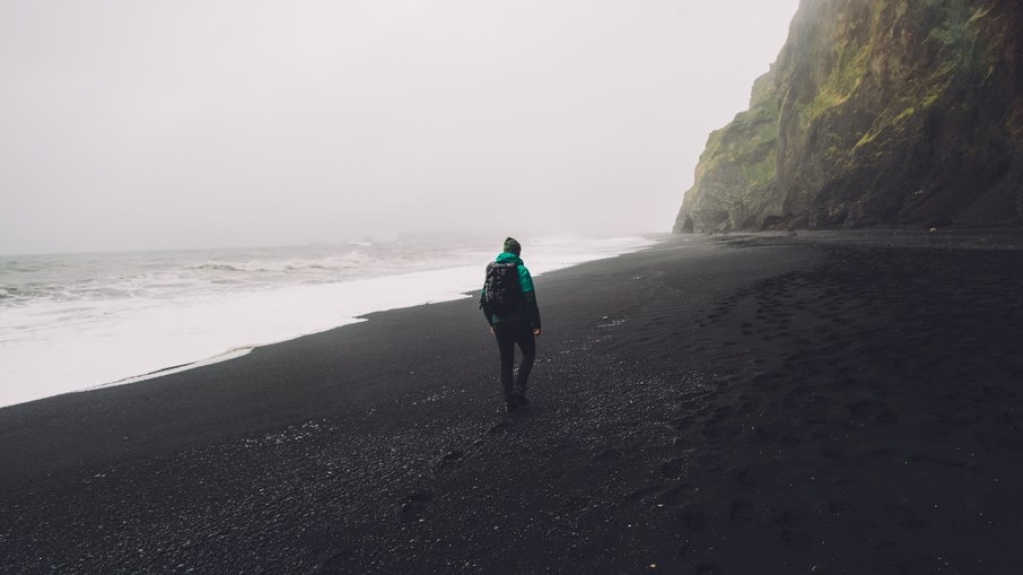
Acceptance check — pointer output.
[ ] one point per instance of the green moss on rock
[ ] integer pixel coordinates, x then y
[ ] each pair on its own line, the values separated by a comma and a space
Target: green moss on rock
888, 110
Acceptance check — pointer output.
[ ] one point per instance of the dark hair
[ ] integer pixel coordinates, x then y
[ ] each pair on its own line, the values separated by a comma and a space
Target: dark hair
511, 245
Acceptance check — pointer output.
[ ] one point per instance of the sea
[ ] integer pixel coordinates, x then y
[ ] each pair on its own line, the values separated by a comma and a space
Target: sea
74, 322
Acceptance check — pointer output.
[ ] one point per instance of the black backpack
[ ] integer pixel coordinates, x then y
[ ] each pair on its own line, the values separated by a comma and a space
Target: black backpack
501, 292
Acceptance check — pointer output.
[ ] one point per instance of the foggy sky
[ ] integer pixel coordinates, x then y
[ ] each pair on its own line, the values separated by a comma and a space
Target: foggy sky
193, 123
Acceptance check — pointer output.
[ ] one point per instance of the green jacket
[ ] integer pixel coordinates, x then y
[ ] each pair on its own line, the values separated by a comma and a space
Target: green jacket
530, 311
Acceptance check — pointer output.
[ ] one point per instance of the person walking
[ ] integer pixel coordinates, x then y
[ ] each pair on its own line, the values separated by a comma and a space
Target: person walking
509, 303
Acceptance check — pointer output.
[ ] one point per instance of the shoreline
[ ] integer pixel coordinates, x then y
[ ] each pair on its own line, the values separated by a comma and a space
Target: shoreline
727, 404
226, 356
181, 344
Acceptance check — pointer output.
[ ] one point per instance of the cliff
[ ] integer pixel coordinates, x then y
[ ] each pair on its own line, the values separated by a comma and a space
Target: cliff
894, 111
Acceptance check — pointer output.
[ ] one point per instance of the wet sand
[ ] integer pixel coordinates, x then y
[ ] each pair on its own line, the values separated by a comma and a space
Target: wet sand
832, 402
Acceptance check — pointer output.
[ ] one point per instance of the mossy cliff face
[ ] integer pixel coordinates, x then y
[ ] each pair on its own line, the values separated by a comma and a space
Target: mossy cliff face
896, 111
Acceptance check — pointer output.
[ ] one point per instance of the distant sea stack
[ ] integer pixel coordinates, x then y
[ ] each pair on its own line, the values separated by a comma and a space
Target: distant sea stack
876, 111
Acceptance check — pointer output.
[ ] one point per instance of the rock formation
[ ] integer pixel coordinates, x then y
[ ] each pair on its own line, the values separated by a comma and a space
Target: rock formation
894, 111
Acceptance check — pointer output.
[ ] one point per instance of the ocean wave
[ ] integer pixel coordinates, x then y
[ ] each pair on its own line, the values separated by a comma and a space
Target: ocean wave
343, 262
10, 294
109, 292
215, 267
20, 267
339, 263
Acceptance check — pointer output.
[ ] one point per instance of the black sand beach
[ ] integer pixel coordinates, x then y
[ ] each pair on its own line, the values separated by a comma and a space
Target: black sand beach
832, 402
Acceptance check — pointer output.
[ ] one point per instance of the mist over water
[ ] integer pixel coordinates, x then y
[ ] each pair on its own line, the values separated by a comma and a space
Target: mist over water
70, 322
170, 125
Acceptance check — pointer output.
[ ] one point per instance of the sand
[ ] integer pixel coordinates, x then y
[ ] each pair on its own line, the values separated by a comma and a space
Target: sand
830, 402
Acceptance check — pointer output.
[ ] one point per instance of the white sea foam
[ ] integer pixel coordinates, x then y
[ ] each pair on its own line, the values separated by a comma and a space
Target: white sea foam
70, 323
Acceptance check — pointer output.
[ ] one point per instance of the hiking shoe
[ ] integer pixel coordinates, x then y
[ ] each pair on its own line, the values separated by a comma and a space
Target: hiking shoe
511, 405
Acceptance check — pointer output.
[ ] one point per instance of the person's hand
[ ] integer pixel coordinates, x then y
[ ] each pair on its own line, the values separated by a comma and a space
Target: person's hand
492, 330
537, 331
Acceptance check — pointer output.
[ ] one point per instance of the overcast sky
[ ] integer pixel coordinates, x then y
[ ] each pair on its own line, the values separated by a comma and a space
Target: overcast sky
131, 125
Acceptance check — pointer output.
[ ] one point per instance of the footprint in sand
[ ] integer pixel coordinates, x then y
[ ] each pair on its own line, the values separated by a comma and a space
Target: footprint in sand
336, 562
741, 511
767, 433
676, 496
862, 407
454, 455
791, 440
680, 423
610, 454
751, 475
644, 493
673, 469
416, 502
696, 521
838, 507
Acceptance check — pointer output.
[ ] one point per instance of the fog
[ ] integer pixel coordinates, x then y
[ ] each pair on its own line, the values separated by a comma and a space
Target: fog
177, 124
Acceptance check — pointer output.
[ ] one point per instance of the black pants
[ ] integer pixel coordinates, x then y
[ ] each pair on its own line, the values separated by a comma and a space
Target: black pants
509, 334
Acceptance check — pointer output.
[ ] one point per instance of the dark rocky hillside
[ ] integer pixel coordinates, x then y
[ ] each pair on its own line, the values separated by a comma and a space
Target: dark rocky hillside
876, 111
